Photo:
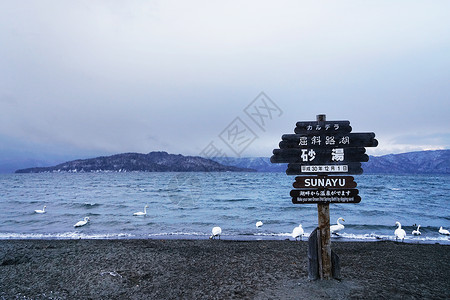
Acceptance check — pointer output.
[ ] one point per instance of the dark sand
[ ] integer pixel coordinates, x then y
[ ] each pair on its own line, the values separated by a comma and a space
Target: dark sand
217, 269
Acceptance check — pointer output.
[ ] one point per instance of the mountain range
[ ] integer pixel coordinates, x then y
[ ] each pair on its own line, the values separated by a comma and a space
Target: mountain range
128, 162
420, 162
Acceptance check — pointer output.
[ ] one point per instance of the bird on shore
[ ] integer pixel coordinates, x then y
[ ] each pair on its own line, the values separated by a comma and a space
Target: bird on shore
82, 223
259, 224
444, 231
41, 211
141, 213
416, 232
216, 231
297, 232
338, 227
399, 232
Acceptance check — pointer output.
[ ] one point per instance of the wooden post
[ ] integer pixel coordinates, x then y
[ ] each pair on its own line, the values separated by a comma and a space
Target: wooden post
324, 229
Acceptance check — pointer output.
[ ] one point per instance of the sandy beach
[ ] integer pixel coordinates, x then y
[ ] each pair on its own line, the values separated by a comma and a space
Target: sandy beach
217, 269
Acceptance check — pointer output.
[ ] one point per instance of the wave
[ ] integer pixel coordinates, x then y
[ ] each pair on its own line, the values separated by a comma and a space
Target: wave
90, 204
236, 200
237, 236
65, 235
410, 238
178, 233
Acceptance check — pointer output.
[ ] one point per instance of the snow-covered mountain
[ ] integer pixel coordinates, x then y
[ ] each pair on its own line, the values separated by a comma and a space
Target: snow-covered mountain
420, 162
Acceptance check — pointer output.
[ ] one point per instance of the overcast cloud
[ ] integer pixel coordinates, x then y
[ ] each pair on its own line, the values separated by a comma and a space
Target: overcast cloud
137, 76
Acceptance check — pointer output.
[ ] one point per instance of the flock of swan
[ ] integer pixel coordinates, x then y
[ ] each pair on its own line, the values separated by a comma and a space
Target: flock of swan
297, 232
400, 233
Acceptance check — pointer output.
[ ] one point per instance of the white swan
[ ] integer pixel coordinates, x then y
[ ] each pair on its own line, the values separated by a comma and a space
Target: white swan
141, 213
416, 232
298, 232
444, 231
216, 231
40, 211
399, 232
338, 227
259, 224
82, 223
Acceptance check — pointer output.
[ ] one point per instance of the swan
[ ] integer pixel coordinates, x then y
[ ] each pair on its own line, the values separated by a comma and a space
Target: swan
399, 232
141, 213
444, 231
82, 223
259, 224
416, 232
298, 232
338, 227
40, 211
216, 231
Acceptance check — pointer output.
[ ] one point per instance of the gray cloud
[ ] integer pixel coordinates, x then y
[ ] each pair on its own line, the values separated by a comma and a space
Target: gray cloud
107, 75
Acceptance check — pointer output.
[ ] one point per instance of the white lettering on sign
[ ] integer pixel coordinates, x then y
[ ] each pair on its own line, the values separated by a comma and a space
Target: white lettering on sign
329, 140
344, 140
303, 141
324, 182
318, 140
308, 155
327, 199
337, 154
343, 193
325, 168
315, 140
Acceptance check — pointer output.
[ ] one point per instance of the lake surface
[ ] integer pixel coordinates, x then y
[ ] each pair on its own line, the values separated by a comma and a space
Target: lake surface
188, 205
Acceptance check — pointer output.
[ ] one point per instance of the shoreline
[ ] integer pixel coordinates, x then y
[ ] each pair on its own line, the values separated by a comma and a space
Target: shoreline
216, 269
444, 240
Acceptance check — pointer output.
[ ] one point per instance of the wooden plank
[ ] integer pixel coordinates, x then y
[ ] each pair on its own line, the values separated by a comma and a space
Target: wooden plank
336, 182
319, 155
353, 168
320, 151
350, 140
323, 127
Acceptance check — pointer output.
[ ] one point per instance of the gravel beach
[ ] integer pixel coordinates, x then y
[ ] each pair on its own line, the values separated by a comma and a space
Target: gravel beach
217, 269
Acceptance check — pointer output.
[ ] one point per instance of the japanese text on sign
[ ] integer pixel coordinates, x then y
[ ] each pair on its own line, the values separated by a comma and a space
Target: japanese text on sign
324, 168
317, 193
328, 140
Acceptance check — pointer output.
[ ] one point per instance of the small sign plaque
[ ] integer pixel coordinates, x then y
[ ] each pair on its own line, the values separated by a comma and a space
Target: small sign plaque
325, 168
302, 169
336, 182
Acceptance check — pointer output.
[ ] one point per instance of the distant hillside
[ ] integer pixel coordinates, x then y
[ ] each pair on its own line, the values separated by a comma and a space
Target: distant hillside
151, 162
260, 164
420, 162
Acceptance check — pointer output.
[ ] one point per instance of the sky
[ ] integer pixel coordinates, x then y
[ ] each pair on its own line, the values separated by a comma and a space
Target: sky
87, 78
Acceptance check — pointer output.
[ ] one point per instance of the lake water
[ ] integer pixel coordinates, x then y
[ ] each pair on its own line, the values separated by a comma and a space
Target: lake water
188, 205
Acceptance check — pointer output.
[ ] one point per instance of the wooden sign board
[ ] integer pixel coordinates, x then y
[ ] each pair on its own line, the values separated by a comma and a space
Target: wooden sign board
335, 182
353, 168
306, 196
319, 155
316, 127
311, 141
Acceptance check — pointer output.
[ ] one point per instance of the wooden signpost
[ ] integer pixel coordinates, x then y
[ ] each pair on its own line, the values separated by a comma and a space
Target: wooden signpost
323, 148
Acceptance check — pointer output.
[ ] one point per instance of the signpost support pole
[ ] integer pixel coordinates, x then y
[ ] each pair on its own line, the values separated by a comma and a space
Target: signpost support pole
324, 229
